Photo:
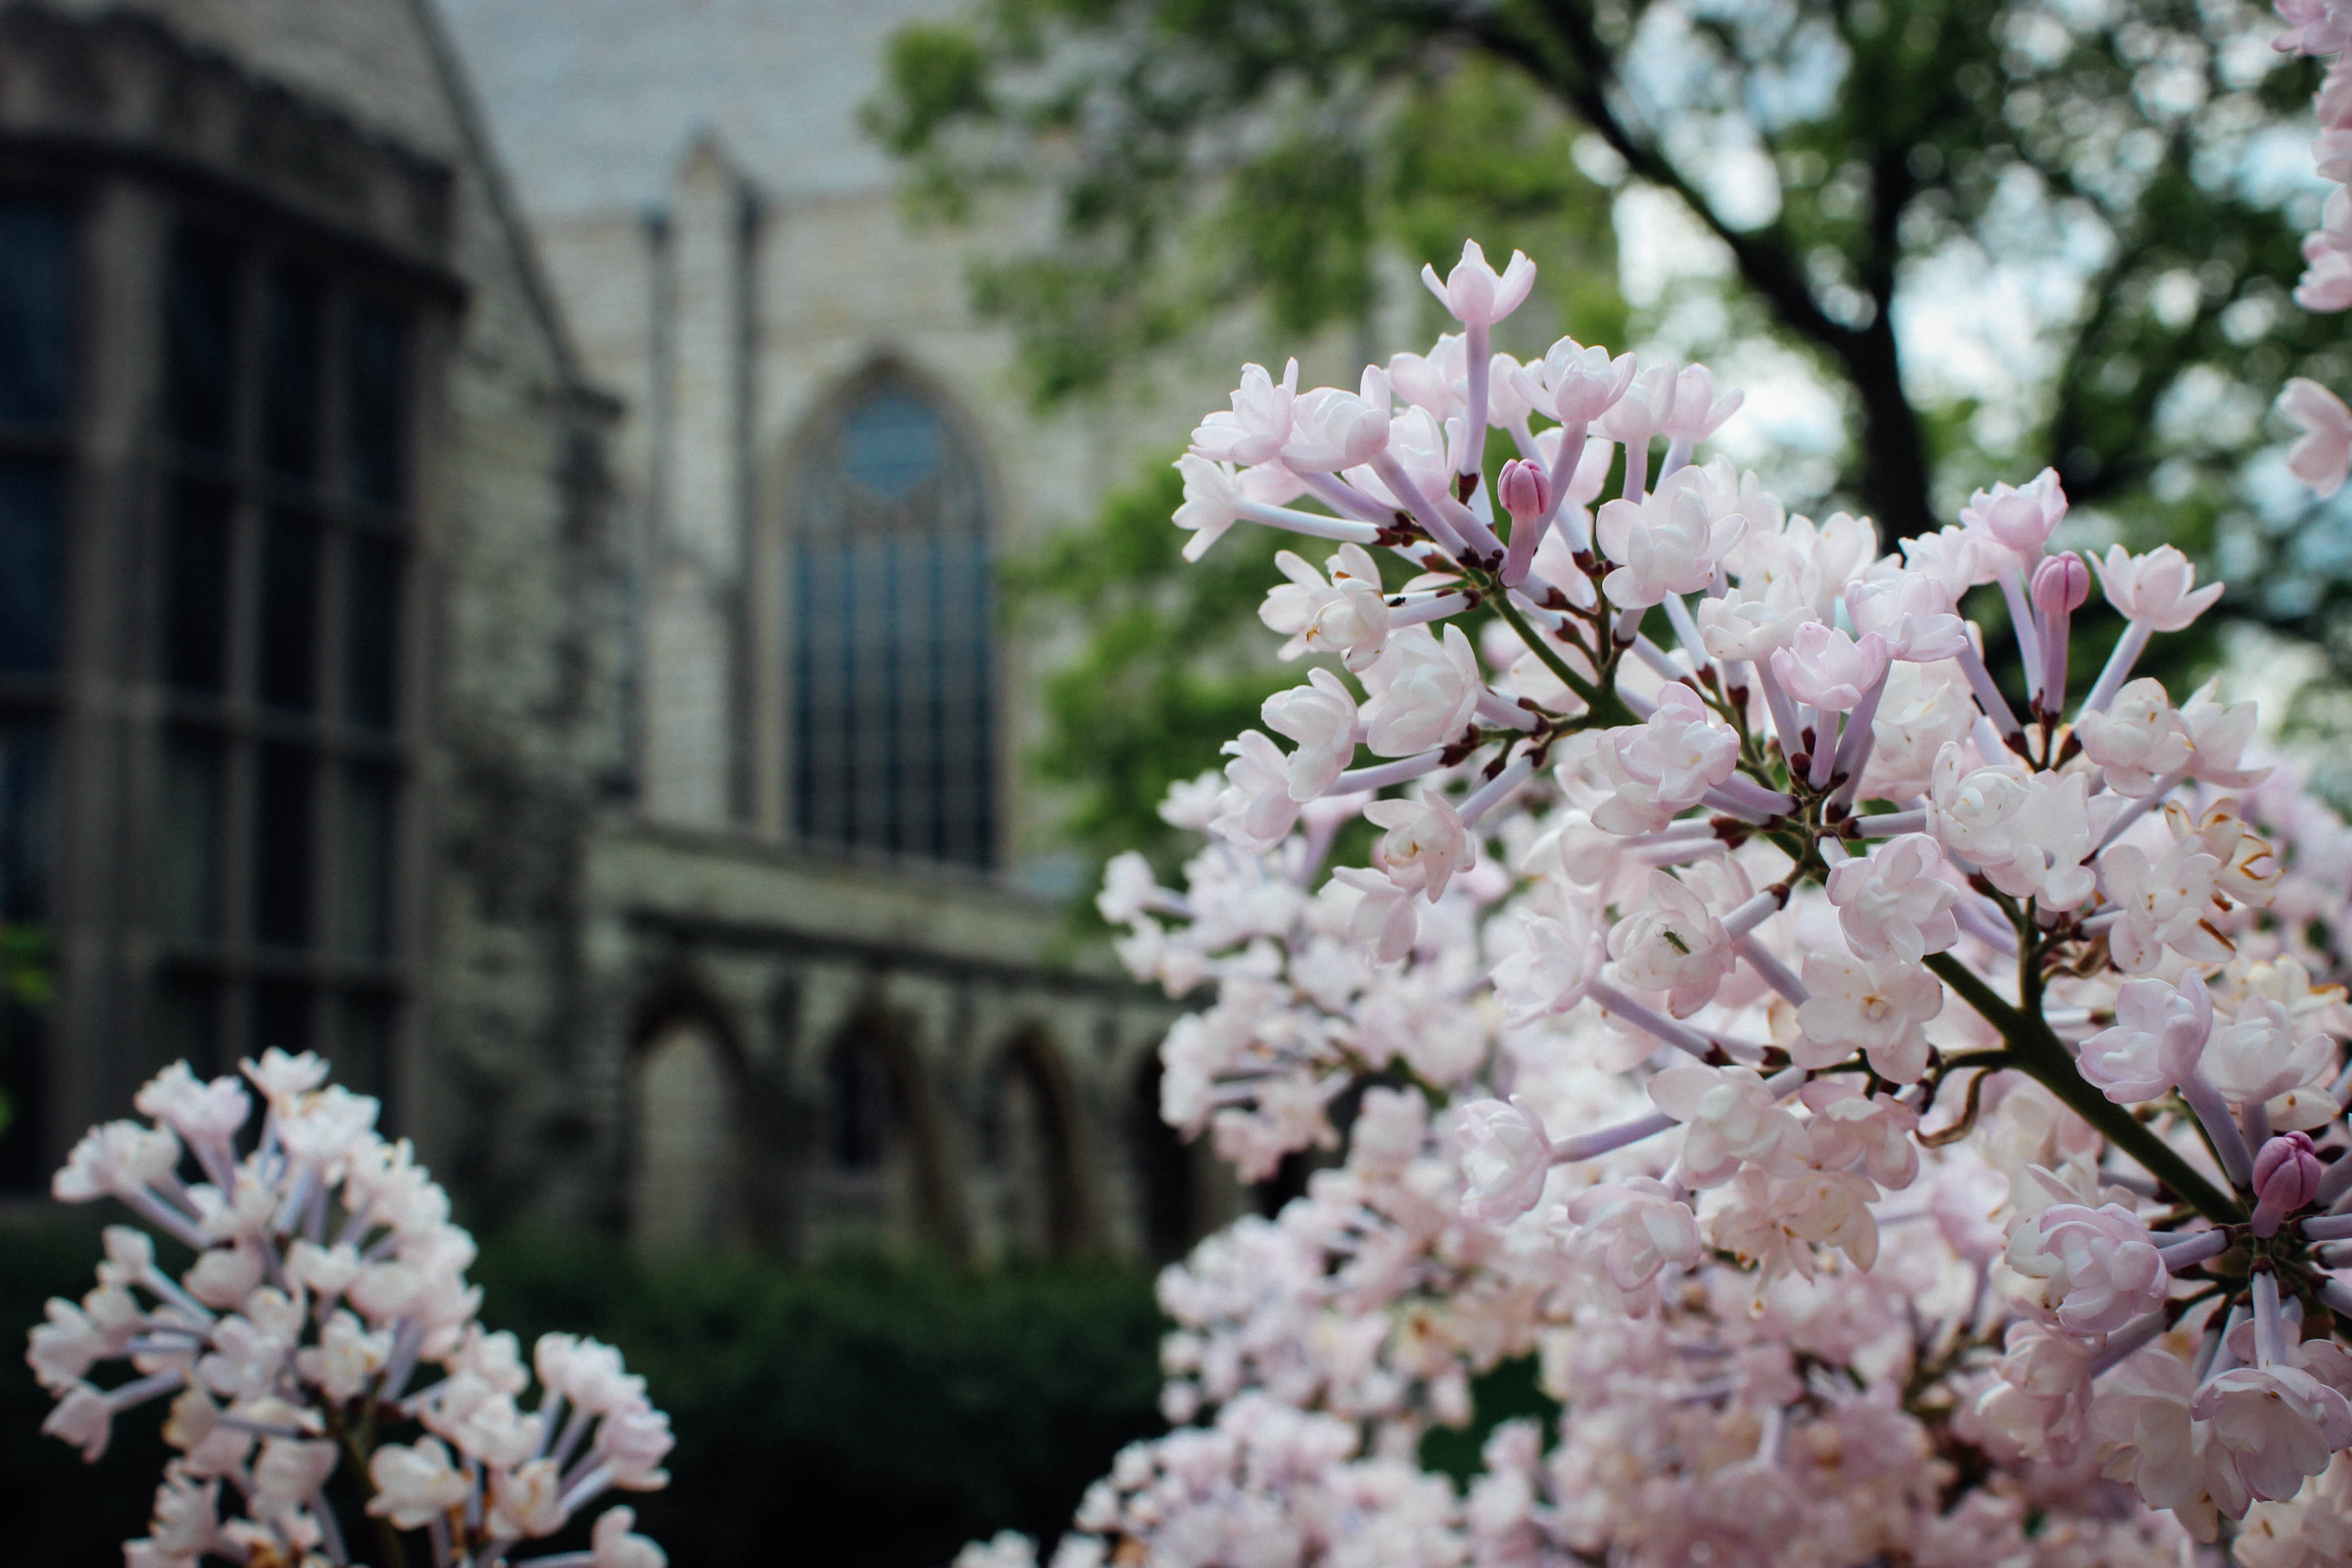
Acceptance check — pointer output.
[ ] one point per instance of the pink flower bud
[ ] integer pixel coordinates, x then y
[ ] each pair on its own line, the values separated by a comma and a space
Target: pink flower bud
2286, 1177
2061, 584
1525, 490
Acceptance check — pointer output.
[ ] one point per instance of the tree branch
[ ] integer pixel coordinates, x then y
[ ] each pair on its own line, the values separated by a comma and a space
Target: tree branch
2041, 1057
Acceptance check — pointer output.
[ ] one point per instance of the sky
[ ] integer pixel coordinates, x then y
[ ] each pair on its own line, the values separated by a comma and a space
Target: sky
594, 101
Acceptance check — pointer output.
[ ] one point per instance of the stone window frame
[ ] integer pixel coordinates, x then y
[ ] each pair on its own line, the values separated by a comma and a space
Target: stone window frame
124, 122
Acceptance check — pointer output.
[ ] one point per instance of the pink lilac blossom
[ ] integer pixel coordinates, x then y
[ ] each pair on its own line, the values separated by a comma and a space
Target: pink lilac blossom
328, 1295
1897, 1127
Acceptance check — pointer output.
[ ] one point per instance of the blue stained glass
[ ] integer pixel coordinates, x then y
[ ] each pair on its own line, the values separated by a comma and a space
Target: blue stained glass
35, 313
892, 443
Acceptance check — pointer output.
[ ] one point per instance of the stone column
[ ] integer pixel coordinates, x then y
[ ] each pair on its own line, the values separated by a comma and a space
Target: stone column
697, 765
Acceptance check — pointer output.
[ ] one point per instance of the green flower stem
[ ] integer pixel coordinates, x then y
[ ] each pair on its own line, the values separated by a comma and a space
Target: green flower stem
1605, 705
2041, 1057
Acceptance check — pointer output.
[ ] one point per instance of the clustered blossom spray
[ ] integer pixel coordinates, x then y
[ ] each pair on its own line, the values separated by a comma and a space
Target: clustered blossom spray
1905, 1121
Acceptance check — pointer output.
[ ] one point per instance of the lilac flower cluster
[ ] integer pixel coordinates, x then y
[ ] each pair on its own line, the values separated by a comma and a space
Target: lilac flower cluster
325, 1276
2323, 27
1906, 1124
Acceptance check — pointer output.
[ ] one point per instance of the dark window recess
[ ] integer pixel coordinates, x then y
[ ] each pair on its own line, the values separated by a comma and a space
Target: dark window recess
26, 1161
363, 869
291, 336
376, 403
32, 580
195, 587
371, 631
281, 847
35, 313
1163, 1165
24, 818
857, 1106
188, 1024
287, 652
201, 312
361, 1046
189, 857
280, 1016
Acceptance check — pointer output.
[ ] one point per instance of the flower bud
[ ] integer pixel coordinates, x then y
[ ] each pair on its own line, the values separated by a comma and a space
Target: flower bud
2061, 584
2286, 1177
1525, 490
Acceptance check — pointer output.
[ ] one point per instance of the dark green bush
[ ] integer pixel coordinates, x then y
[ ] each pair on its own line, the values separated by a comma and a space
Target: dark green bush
865, 1412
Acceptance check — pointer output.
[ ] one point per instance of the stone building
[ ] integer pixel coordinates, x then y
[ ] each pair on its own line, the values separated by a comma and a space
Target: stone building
530, 638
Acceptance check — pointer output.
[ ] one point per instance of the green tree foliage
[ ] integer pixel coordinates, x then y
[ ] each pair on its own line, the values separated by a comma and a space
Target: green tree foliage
2125, 142
1173, 662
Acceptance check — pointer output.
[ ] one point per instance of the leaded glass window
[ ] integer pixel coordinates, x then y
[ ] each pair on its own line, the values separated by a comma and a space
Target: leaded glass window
282, 554
893, 732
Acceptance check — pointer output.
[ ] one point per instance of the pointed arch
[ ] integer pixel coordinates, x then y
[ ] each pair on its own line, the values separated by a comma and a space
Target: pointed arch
1028, 1145
890, 705
881, 1160
689, 1167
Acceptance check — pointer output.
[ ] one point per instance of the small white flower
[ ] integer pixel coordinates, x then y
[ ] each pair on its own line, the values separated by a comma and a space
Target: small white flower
1666, 765
1425, 845
2138, 738
1697, 411
2322, 454
2260, 1056
1874, 1008
1424, 692
2160, 903
1473, 291
1673, 943
1547, 973
2274, 1427
2156, 588
1345, 614
1576, 384
1911, 615
1891, 904
1259, 423
1321, 717
2218, 735
199, 1111
2096, 1269
2157, 1040
1824, 667
1729, 1119
1255, 811
611, 1545
120, 1158
1505, 1157
2020, 519
1666, 543
415, 1483
1641, 1229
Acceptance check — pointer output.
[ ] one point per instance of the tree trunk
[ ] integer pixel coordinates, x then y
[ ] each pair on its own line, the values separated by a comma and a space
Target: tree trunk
1895, 477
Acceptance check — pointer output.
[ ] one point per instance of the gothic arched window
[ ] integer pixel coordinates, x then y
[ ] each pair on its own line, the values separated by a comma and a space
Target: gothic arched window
893, 743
